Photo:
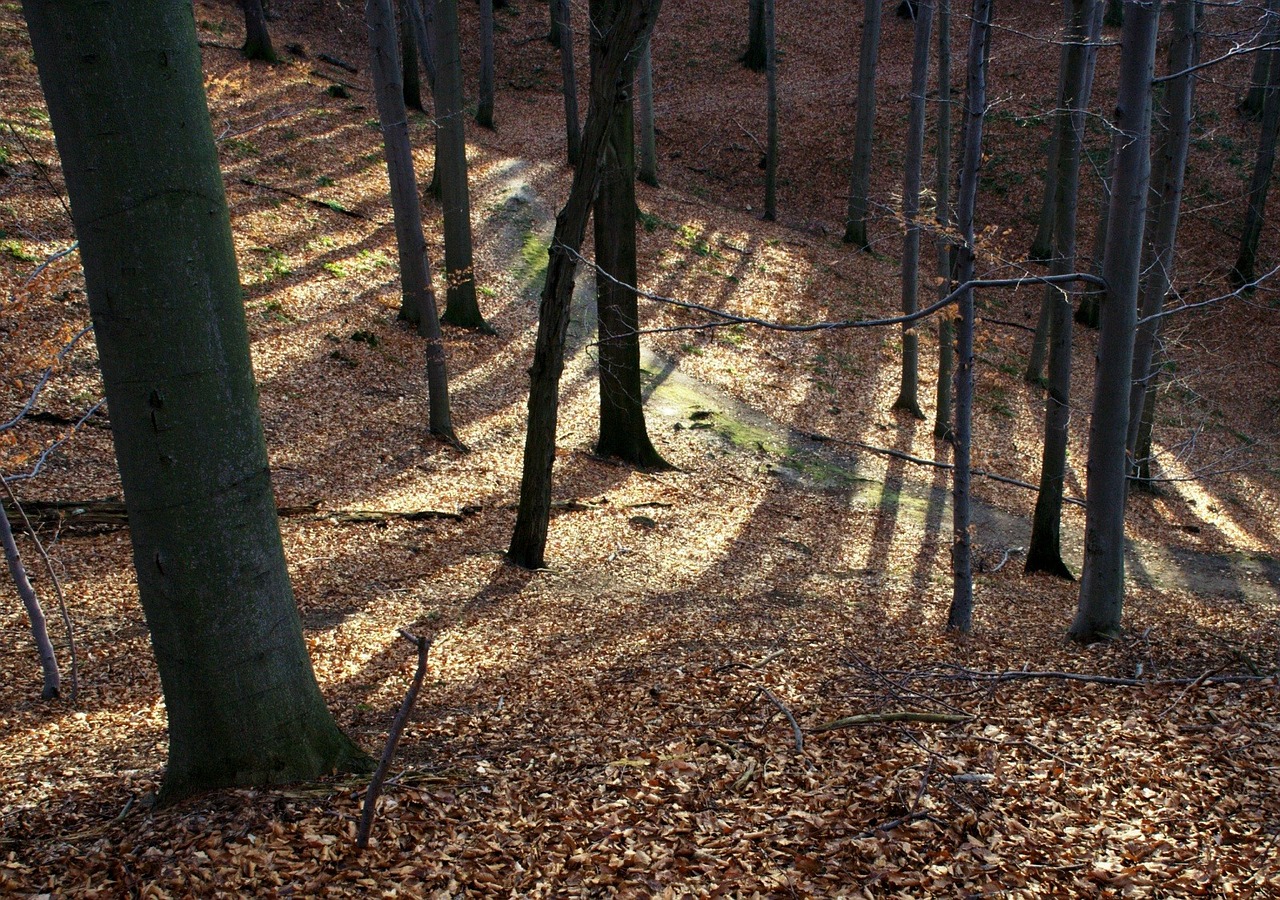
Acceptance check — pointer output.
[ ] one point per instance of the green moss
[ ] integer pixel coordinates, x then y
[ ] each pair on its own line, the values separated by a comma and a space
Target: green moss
534, 256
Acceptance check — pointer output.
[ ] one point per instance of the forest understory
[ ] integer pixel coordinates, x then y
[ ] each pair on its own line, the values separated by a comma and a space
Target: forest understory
732, 679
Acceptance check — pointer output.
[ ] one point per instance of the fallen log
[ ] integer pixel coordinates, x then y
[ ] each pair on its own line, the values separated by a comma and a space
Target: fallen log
111, 513
900, 716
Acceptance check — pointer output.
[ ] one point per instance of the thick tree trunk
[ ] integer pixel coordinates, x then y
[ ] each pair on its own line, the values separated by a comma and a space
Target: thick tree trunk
1242, 273
31, 603
608, 100
422, 21
160, 272
855, 229
756, 57
461, 307
623, 434
569, 78
960, 615
1114, 17
946, 329
412, 92
1102, 582
908, 394
648, 172
415, 267
484, 107
1044, 554
257, 41
771, 113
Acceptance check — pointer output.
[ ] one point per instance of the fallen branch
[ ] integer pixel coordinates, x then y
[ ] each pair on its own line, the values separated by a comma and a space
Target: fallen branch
397, 727
112, 514
782, 708
331, 205
1023, 675
334, 61
901, 716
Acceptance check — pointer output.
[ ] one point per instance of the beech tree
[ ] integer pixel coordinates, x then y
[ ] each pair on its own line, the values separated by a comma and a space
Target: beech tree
756, 56
942, 190
160, 272
569, 80
1101, 603
771, 113
412, 92
1242, 273
648, 170
257, 40
855, 229
484, 107
52, 686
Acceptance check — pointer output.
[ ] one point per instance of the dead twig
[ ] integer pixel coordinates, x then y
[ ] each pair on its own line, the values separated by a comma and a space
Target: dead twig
899, 716
397, 727
782, 708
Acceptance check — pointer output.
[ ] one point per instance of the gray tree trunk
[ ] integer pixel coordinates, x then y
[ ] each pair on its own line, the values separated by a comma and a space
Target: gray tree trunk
1102, 582
608, 100
415, 268
461, 307
1093, 296
1042, 245
946, 328
1044, 553
908, 394
569, 77
648, 172
855, 229
556, 34
31, 603
421, 21
1242, 273
484, 108
771, 114
412, 92
257, 40
1251, 102
960, 615
756, 56
160, 273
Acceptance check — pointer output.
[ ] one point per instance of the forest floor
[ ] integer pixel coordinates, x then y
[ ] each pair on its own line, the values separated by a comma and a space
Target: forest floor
657, 713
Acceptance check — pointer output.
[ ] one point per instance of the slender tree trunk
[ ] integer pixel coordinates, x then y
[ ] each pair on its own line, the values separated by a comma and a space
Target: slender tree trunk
484, 109
569, 77
415, 267
556, 35
608, 100
1089, 310
1251, 102
756, 57
855, 229
1115, 14
31, 603
771, 113
1044, 554
1042, 245
960, 616
1102, 582
409, 62
1167, 178
257, 41
907, 397
1142, 455
648, 172
946, 329
461, 308
160, 273
421, 20
1242, 272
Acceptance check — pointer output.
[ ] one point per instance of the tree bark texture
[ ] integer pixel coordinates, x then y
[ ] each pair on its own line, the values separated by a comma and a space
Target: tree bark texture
164, 293
257, 40
648, 172
946, 324
412, 92
855, 229
421, 19
35, 614
1242, 272
1102, 581
608, 97
771, 113
756, 57
484, 107
415, 268
569, 79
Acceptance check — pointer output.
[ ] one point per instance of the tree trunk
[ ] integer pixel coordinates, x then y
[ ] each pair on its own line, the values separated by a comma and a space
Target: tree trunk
1044, 554
1242, 273
907, 396
1102, 582
1167, 178
1251, 102
1042, 245
415, 268
421, 20
946, 329
484, 108
960, 615
608, 100
569, 77
31, 603
855, 229
648, 172
461, 308
257, 41
160, 271
1115, 14
1089, 311
622, 427
771, 114
756, 57
558, 32
412, 92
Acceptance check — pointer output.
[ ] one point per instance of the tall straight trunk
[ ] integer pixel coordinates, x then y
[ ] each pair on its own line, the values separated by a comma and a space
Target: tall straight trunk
855, 228
1142, 454
1042, 245
1251, 102
484, 108
415, 268
257, 40
557, 33
756, 57
1115, 14
421, 21
35, 615
771, 114
412, 92
648, 172
907, 397
1167, 178
461, 307
1044, 554
160, 272
569, 77
1089, 310
1102, 582
946, 327
608, 100
623, 434
960, 615
1242, 272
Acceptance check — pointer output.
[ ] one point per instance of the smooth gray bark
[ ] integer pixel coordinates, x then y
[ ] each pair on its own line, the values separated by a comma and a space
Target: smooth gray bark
913, 167
484, 107
35, 614
855, 229
421, 21
415, 268
160, 272
257, 40
569, 79
1101, 603
1242, 273
771, 114
648, 169
946, 327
